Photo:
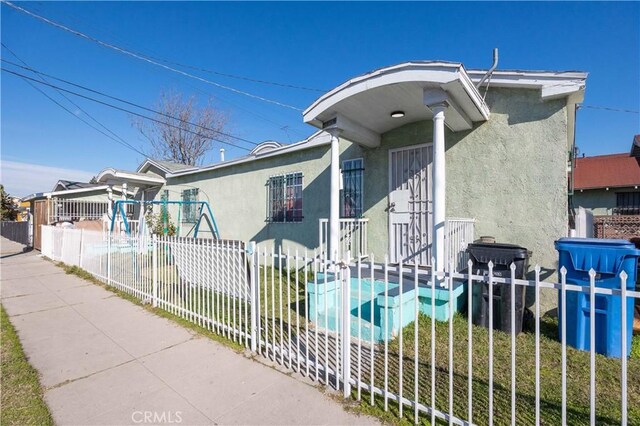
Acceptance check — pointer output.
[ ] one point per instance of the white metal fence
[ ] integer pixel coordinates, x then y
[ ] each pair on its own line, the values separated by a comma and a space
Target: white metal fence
64, 210
119, 228
402, 342
458, 233
353, 237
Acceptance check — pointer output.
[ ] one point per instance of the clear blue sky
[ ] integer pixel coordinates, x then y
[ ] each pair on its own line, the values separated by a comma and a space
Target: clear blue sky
317, 45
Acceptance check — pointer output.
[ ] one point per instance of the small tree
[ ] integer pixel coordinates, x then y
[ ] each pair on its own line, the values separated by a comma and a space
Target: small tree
183, 132
156, 224
8, 209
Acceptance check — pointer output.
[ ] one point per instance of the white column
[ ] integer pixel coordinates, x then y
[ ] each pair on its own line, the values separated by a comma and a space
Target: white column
334, 206
439, 186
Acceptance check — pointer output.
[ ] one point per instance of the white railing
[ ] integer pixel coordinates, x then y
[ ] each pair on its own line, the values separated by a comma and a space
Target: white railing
353, 236
397, 343
63, 210
119, 227
458, 233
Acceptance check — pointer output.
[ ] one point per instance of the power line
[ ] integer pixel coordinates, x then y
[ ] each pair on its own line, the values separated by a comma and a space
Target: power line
149, 52
145, 58
239, 107
120, 108
88, 89
76, 20
238, 77
609, 109
81, 119
120, 139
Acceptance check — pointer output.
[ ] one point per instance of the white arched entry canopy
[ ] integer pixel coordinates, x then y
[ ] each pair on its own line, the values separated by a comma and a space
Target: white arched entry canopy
361, 110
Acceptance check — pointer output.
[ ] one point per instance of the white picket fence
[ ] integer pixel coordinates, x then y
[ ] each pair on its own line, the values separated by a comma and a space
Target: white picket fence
402, 356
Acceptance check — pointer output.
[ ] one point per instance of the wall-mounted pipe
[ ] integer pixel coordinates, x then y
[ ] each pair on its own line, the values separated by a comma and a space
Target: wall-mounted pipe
493, 67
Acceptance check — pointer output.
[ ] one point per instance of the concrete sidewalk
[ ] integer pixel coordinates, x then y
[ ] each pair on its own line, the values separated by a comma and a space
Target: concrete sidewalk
104, 360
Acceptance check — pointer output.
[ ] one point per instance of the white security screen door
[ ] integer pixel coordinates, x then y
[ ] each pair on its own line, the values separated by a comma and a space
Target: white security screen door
410, 204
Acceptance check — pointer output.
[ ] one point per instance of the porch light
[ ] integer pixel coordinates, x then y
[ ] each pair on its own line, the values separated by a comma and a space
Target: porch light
397, 114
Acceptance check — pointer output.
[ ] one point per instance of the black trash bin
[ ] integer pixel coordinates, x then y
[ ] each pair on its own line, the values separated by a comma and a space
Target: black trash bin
502, 255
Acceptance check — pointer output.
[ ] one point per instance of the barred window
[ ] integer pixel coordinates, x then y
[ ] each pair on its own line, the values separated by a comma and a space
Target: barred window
352, 183
285, 198
190, 210
627, 203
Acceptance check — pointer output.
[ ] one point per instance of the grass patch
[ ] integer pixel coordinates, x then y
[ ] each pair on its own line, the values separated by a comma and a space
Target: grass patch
608, 374
22, 396
635, 347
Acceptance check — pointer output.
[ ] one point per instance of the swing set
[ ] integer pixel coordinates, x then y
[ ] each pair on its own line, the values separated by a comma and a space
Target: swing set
203, 213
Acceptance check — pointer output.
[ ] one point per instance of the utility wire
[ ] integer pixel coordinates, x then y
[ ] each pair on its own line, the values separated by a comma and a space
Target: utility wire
609, 109
238, 77
145, 58
239, 107
88, 89
150, 53
120, 108
120, 139
82, 119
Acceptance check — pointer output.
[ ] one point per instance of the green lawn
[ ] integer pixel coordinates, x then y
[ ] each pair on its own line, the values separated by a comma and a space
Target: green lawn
607, 377
21, 399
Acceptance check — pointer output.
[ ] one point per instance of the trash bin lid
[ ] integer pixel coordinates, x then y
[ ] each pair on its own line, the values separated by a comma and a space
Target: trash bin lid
498, 253
596, 242
603, 255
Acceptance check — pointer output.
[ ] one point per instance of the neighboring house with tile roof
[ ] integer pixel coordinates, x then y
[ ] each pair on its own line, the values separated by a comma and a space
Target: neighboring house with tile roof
609, 184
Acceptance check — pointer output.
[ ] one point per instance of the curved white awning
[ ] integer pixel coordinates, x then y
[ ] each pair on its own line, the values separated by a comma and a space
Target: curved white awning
141, 180
362, 106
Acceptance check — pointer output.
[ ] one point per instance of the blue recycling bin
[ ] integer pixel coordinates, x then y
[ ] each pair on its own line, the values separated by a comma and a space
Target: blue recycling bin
608, 258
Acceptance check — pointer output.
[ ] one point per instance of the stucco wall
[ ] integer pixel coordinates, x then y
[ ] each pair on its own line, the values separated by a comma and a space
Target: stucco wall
238, 196
508, 173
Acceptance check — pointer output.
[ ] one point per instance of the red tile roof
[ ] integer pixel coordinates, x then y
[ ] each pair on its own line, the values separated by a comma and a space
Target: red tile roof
607, 171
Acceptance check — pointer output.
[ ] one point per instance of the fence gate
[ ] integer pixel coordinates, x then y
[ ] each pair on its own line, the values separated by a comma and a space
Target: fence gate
40, 217
410, 204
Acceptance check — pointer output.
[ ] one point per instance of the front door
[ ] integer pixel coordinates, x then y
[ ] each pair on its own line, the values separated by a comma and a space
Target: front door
410, 204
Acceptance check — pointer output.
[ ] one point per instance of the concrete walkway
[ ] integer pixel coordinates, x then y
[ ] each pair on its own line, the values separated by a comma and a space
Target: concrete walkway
103, 360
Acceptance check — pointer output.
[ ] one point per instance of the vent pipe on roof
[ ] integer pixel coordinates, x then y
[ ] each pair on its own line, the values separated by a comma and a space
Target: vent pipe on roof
221, 154
493, 67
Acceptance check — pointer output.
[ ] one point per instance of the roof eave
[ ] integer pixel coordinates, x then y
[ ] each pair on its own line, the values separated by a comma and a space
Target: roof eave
318, 138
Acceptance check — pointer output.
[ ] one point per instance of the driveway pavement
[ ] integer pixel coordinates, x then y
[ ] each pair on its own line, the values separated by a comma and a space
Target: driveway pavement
105, 361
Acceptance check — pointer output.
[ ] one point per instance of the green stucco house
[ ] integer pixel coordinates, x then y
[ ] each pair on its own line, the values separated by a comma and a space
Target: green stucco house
411, 161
